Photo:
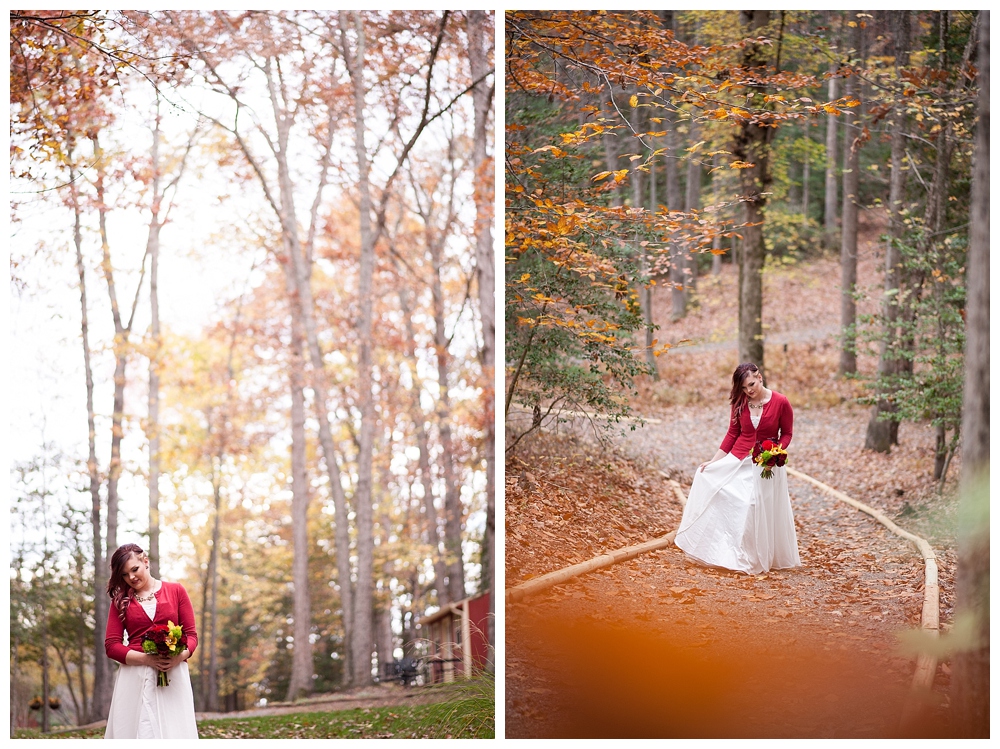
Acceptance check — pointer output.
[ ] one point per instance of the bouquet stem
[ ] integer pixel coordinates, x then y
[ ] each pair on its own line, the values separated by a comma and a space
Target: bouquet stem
161, 679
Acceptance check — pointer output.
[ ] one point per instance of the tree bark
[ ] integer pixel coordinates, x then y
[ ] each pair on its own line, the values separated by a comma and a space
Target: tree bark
753, 146
883, 433
830, 197
805, 175
433, 536
849, 230
970, 691
121, 357
103, 678
153, 403
362, 618
212, 680
482, 164
452, 498
692, 202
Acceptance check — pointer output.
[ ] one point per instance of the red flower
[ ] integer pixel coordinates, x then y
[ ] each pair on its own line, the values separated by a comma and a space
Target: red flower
158, 634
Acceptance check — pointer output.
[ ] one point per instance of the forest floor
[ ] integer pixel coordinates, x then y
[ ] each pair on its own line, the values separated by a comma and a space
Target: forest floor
461, 710
660, 646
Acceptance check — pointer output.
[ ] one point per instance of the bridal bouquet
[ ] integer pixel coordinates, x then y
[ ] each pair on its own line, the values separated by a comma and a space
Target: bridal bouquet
167, 639
767, 455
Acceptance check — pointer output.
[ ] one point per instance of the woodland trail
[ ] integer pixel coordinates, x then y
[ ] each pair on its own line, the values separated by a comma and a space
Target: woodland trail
660, 646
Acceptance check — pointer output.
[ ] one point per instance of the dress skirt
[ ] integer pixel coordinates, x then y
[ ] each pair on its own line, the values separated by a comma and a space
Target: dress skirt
735, 519
142, 710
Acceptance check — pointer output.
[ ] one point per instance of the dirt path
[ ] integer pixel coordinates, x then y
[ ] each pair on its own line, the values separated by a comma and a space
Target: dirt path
662, 647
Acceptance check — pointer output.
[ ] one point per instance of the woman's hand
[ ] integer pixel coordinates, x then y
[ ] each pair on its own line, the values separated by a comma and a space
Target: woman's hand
702, 466
167, 662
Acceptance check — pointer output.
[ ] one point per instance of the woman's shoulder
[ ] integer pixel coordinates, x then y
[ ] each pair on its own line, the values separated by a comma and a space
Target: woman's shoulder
779, 399
172, 587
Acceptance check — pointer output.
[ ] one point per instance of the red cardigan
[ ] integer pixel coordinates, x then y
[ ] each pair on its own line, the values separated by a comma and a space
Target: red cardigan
172, 604
775, 424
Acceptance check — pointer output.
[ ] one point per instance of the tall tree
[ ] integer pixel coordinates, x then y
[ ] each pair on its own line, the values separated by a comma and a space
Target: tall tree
480, 32
830, 193
971, 679
882, 433
752, 147
853, 138
363, 643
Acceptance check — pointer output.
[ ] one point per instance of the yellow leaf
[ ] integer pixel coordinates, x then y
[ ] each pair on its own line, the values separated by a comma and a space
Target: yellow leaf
696, 146
634, 101
602, 175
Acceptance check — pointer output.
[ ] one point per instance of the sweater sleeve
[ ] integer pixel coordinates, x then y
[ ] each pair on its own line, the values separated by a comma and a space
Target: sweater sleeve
185, 612
113, 635
785, 424
734, 432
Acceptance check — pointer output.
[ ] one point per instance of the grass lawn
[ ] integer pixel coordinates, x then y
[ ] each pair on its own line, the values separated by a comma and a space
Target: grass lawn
465, 718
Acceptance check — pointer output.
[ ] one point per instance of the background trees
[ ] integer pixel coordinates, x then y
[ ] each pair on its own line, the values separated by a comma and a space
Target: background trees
290, 441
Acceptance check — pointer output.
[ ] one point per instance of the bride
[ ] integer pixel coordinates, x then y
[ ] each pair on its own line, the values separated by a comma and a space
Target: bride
139, 708
734, 518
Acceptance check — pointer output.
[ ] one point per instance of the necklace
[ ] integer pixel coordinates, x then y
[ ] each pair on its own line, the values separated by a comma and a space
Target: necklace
757, 407
146, 599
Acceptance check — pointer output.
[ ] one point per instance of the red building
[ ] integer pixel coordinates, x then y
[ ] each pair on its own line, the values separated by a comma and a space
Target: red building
458, 638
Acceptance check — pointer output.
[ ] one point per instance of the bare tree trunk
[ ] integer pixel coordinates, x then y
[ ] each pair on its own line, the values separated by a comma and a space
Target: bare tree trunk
970, 691
643, 290
692, 202
452, 499
805, 175
716, 196
753, 146
78, 710
426, 478
302, 660
830, 202
363, 624
678, 261
482, 96
849, 230
121, 340
153, 407
103, 686
882, 433
212, 680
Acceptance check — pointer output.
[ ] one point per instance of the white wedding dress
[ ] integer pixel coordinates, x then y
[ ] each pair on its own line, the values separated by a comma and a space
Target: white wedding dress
142, 710
735, 519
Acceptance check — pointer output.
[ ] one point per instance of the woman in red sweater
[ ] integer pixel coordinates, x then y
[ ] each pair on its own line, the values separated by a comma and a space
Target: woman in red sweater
139, 708
734, 518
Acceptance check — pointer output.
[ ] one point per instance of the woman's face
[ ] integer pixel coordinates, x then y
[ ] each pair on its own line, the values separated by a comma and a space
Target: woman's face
135, 572
753, 384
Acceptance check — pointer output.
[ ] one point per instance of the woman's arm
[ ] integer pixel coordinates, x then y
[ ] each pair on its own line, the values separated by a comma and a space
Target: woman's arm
113, 634
185, 612
735, 429
718, 456
785, 419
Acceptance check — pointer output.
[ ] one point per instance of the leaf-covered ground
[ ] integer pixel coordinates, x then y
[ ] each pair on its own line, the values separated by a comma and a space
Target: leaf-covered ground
464, 712
662, 647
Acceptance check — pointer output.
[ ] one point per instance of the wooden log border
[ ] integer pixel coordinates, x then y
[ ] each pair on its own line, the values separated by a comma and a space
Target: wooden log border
538, 584
930, 615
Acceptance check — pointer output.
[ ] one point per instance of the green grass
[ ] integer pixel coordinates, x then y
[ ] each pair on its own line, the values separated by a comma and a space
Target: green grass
470, 715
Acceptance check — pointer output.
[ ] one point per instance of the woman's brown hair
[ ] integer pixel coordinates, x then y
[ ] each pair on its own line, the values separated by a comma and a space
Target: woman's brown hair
120, 592
737, 397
